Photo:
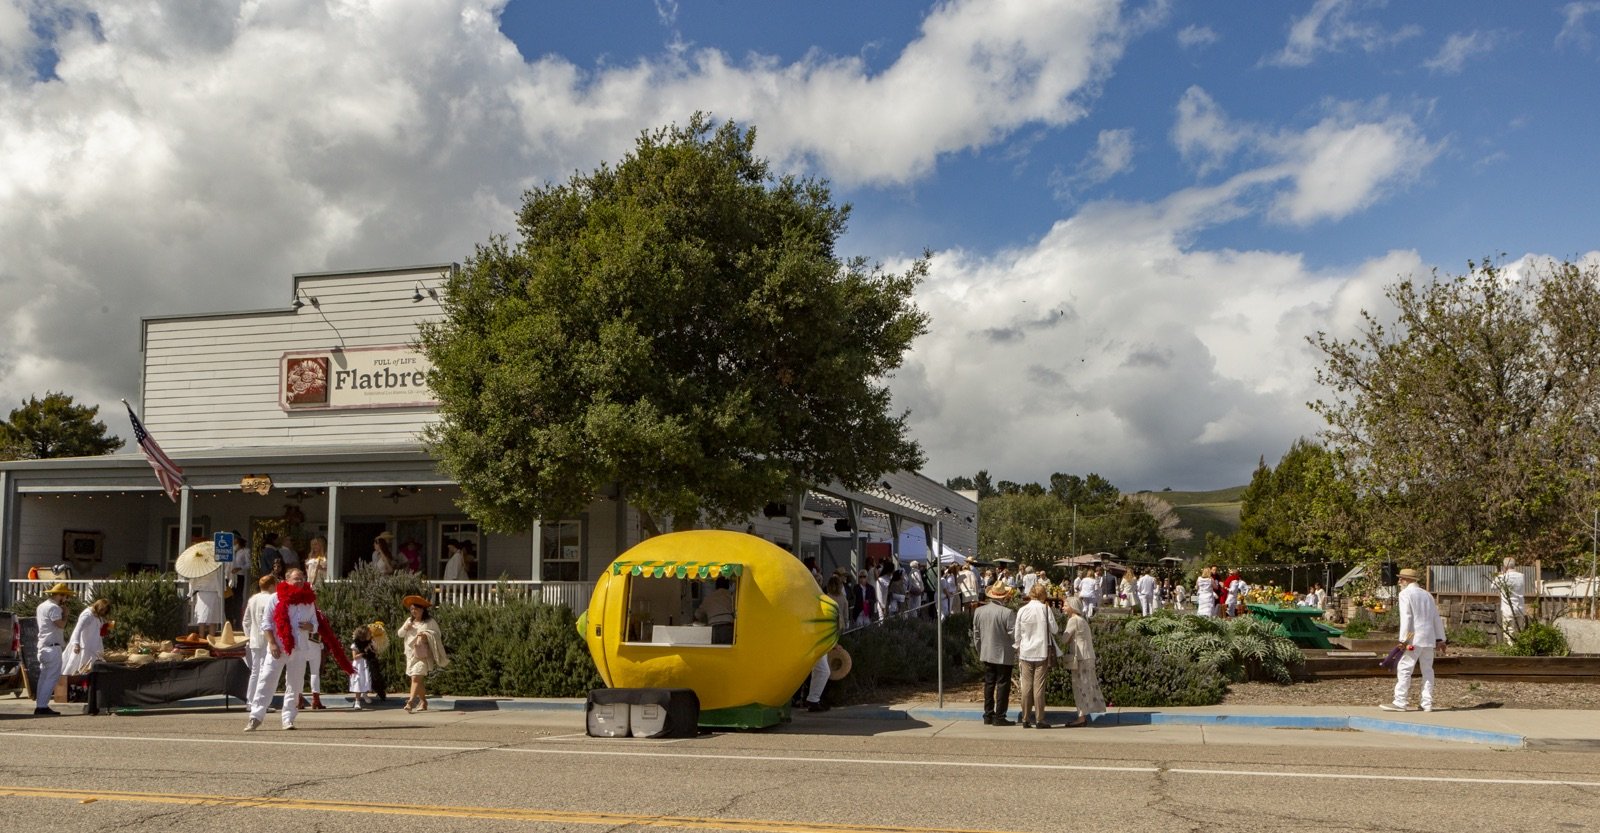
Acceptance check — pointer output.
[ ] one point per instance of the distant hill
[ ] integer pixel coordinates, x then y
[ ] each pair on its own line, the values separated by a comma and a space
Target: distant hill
1216, 512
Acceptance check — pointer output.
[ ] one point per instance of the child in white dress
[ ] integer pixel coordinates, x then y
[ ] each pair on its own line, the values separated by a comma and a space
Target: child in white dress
363, 656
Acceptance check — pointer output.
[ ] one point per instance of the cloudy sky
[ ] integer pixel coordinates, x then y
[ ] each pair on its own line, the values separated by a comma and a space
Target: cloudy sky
1138, 210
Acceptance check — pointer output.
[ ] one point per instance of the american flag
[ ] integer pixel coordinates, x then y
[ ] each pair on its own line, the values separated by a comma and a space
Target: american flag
167, 472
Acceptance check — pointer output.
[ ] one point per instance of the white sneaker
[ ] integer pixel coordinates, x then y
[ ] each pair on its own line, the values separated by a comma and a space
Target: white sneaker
1390, 707
1427, 708
288, 727
252, 724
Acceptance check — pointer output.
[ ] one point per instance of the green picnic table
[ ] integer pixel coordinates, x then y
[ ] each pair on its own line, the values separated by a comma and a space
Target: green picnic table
1299, 624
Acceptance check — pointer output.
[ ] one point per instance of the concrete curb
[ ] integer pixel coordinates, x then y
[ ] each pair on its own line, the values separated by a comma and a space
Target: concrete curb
1120, 718
1253, 721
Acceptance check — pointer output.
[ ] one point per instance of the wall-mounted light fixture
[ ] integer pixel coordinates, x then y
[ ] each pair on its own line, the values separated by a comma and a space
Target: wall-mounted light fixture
416, 294
300, 294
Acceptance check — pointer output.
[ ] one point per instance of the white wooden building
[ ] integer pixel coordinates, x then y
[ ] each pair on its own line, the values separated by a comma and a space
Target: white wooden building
316, 407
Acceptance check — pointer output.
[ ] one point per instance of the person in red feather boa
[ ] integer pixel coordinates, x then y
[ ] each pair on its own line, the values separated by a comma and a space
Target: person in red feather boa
294, 626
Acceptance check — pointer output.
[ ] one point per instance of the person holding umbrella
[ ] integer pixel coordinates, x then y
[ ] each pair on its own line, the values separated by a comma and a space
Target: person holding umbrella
207, 581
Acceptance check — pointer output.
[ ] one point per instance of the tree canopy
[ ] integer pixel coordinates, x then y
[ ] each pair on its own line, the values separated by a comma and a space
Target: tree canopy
1468, 428
54, 427
679, 326
1298, 511
1037, 525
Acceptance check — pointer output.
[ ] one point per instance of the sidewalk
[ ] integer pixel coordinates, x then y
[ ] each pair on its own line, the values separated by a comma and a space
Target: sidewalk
1553, 729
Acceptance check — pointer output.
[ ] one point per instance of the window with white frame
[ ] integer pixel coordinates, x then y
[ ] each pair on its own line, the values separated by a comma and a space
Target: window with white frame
561, 551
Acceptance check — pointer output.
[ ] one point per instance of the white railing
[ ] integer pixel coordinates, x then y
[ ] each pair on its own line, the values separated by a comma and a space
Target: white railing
84, 587
571, 594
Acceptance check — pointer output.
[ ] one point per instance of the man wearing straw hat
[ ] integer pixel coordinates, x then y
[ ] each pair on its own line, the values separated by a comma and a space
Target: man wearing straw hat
1421, 633
52, 618
994, 631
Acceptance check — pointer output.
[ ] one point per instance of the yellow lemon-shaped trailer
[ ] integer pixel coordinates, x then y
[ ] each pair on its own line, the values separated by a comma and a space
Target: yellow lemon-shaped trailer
782, 624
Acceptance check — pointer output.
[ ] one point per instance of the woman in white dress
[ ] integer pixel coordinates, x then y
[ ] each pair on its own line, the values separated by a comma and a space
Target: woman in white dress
424, 646
87, 638
1205, 593
317, 561
382, 558
1079, 644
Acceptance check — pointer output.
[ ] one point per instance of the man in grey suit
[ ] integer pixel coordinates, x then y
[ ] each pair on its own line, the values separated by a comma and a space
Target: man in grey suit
993, 626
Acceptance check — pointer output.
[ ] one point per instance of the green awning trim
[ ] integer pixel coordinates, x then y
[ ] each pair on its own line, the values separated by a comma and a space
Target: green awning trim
676, 569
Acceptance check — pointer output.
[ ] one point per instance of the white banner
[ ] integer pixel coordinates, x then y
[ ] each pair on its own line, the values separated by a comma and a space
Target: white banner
366, 377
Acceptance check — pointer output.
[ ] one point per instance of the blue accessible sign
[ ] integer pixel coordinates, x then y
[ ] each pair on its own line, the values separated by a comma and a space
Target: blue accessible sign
222, 545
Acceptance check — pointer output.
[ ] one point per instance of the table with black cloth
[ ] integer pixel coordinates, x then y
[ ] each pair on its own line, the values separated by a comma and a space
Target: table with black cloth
113, 685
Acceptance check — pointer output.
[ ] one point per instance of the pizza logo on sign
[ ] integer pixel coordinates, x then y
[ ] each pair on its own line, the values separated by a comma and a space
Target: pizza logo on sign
305, 381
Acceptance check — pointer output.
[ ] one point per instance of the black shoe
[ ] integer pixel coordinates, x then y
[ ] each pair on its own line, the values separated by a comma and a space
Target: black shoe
816, 707
1027, 724
1000, 721
46, 711
988, 720
1043, 726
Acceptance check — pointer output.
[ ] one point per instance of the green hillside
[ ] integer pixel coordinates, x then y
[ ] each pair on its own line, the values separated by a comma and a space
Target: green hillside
1216, 512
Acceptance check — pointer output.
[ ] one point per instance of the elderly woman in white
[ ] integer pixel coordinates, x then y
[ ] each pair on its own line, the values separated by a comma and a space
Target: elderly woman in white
1079, 653
87, 638
1035, 631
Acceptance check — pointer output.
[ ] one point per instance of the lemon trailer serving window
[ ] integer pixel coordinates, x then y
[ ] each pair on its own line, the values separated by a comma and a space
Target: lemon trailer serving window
680, 603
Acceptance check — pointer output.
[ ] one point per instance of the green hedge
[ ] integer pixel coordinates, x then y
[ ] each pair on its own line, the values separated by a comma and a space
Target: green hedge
520, 648
902, 651
148, 604
1133, 672
1537, 639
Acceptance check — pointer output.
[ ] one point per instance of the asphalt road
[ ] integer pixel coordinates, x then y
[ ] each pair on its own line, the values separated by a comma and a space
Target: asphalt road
492, 771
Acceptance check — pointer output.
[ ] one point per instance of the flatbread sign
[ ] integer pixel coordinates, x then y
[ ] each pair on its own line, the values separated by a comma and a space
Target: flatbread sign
365, 377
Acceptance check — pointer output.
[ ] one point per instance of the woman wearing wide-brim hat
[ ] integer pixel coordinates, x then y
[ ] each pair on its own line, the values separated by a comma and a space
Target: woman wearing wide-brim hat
424, 646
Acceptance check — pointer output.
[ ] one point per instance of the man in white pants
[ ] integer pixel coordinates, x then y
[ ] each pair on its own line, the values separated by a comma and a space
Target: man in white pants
256, 611
1147, 593
291, 628
52, 619
1421, 634
1088, 594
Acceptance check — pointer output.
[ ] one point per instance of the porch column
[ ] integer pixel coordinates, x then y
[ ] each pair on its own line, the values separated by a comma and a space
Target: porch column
8, 537
858, 559
335, 565
894, 536
537, 573
799, 504
184, 520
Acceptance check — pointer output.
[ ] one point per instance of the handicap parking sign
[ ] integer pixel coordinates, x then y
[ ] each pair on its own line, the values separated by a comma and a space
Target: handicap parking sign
222, 545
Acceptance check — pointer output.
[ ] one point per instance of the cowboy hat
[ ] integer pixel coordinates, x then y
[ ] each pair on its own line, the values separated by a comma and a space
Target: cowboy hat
198, 561
228, 639
838, 663
998, 591
415, 600
1410, 574
61, 589
385, 535
200, 653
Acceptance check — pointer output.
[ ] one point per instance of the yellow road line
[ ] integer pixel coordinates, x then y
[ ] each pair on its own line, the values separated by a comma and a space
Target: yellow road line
446, 811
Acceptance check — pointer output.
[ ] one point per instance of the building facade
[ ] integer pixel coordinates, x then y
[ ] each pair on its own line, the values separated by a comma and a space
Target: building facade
306, 421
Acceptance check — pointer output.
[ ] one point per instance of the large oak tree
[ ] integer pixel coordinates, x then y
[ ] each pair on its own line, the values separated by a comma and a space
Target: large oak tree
1468, 427
678, 326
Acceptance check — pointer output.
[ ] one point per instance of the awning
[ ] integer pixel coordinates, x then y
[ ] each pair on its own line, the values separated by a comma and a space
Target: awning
676, 569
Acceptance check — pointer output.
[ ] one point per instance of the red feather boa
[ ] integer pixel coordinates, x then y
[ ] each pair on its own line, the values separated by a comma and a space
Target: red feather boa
302, 594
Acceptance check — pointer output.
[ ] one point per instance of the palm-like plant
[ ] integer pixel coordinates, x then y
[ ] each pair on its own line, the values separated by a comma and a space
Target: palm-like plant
1244, 648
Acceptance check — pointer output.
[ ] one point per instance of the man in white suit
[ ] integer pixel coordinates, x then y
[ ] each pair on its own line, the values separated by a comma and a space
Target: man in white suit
1421, 634
1146, 588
